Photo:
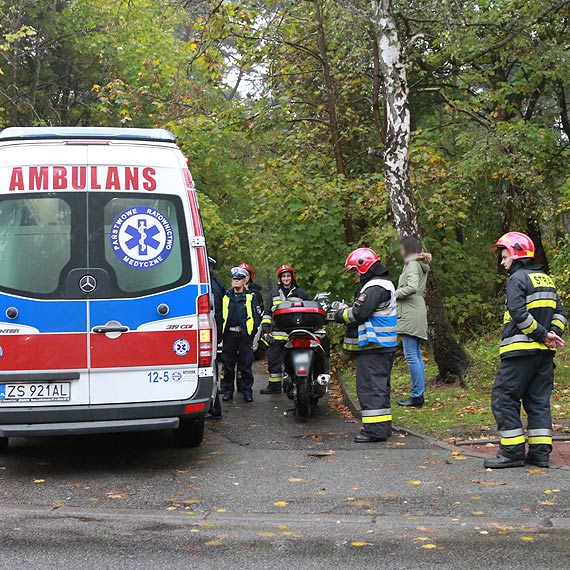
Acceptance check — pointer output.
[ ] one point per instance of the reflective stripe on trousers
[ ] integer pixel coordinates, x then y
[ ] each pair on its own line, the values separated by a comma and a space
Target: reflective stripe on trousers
376, 416
512, 437
540, 437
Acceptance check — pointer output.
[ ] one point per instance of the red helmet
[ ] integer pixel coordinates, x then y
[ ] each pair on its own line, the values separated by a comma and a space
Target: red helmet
361, 259
519, 245
286, 269
249, 269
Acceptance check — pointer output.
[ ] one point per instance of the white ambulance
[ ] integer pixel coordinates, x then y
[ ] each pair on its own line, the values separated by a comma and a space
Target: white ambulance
106, 320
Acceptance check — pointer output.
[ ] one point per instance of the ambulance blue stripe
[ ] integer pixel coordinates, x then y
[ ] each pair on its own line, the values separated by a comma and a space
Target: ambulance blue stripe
134, 312
59, 316
52, 316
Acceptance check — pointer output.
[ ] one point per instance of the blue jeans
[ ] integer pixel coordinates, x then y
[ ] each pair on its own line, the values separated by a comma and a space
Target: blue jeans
413, 355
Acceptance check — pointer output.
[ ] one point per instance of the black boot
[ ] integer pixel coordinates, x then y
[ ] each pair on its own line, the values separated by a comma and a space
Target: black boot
227, 397
272, 388
363, 438
413, 402
538, 460
502, 462
248, 397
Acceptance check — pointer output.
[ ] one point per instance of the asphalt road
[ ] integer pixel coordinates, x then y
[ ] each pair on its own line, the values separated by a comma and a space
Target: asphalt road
268, 491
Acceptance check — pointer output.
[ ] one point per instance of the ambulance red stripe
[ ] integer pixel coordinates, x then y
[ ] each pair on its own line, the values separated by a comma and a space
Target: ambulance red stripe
44, 352
153, 348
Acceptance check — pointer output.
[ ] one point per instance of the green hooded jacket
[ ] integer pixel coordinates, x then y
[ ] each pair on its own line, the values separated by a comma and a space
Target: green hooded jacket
412, 313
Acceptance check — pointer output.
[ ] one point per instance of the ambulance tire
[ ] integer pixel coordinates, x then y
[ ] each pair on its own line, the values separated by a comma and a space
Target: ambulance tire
4, 442
190, 432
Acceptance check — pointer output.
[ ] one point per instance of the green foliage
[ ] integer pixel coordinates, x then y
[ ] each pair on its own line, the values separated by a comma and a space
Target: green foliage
243, 87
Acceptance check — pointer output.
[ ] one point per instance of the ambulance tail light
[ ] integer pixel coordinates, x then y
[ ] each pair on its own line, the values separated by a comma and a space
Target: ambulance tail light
205, 332
194, 408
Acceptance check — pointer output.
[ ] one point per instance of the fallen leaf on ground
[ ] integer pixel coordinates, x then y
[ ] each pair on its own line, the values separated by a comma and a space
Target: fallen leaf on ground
527, 538
320, 453
297, 480
429, 546
359, 543
489, 483
39, 480
414, 482
477, 513
546, 503
536, 471
213, 543
192, 502
280, 503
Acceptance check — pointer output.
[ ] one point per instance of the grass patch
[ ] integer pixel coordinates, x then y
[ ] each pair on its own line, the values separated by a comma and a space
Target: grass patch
460, 413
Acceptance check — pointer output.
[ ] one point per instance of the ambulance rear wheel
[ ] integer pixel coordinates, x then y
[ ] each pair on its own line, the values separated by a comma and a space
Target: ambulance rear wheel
4, 442
190, 433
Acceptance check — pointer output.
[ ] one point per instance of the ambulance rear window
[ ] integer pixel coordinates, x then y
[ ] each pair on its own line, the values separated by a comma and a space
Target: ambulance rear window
35, 243
144, 241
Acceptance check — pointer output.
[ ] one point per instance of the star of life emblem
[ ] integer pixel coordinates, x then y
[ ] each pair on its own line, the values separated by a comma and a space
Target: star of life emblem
142, 237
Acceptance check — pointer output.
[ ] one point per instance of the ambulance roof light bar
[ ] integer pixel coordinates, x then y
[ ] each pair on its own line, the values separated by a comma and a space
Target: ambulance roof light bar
86, 133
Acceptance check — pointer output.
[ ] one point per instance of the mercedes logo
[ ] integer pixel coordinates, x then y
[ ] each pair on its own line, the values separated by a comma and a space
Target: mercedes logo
88, 284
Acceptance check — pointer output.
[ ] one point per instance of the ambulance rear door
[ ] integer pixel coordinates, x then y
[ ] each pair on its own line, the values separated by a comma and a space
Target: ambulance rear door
43, 311
143, 308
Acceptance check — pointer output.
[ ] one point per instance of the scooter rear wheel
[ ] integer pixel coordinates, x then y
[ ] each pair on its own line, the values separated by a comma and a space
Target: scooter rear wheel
305, 406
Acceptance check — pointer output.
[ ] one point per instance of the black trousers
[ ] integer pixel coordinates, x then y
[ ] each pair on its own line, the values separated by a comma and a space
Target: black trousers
373, 371
275, 355
237, 349
528, 380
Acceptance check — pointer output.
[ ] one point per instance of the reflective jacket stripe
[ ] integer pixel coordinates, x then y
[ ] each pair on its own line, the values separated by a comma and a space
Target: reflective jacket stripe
541, 295
543, 303
559, 321
382, 327
275, 378
523, 346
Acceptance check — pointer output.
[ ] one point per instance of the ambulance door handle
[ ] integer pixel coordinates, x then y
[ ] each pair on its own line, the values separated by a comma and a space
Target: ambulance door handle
114, 329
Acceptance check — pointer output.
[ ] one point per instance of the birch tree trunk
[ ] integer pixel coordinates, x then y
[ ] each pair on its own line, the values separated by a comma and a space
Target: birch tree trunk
451, 358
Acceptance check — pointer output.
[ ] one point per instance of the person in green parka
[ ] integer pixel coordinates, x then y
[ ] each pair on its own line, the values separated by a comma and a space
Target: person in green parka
412, 314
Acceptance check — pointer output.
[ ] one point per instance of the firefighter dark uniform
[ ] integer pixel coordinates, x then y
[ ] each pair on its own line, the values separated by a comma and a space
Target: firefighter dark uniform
526, 373
241, 318
275, 353
372, 337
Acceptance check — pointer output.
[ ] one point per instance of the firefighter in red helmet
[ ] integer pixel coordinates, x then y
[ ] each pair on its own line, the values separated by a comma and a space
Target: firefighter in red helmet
251, 284
371, 337
534, 321
286, 289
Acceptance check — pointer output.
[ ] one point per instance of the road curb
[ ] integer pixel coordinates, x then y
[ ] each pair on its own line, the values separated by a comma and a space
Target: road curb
263, 519
353, 405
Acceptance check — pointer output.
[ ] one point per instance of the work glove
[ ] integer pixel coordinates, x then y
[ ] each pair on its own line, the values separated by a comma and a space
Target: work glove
338, 316
268, 339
